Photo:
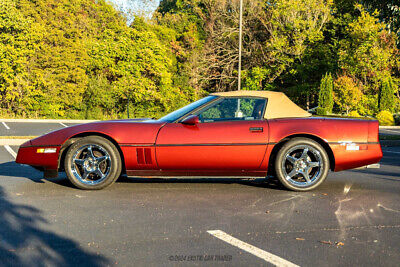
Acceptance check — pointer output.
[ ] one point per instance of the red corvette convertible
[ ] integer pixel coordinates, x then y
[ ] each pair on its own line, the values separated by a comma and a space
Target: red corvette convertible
231, 134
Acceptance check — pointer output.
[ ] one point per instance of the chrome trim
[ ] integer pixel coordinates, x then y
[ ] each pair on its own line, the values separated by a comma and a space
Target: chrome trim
86, 166
297, 170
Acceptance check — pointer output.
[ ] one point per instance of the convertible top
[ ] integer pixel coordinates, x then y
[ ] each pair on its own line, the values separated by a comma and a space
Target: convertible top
278, 106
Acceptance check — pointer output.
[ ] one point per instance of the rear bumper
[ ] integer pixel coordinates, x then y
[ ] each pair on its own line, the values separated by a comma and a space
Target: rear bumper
368, 153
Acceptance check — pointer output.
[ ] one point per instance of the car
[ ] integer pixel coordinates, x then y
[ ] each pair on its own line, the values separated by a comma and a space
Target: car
237, 134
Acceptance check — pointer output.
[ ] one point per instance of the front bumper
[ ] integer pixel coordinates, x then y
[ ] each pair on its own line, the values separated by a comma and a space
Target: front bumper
28, 154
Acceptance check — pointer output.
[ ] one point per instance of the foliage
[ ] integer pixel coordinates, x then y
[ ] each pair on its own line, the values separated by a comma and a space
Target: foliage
386, 96
81, 59
354, 114
396, 117
325, 100
347, 94
385, 118
78, 58
389, 13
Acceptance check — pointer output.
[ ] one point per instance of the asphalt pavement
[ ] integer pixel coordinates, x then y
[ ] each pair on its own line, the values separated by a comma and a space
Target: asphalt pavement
30, 128
351, 219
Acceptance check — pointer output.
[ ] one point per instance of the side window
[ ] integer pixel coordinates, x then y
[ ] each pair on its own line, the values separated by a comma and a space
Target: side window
234, 108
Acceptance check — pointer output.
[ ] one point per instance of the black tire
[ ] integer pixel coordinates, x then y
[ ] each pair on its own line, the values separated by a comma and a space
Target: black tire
298, 159
96, 169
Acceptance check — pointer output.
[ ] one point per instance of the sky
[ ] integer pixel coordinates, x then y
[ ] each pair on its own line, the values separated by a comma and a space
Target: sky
143, 7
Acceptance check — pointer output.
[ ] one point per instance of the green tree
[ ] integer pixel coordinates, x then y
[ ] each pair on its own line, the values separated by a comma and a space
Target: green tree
325, 100
386, 95
347, 94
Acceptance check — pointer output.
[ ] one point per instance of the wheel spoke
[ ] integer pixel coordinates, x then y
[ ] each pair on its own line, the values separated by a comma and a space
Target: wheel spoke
291, 174
313, 164
306, 176
291, 159
101, 159
79, 162
99, 173
304, 155
90, 152
85, 175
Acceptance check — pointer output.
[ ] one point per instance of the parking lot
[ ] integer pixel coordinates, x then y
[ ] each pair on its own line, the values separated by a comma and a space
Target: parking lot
353, 219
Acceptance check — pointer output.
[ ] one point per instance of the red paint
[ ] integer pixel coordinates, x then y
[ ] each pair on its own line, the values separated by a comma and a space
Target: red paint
28, 155
218, 148
212, 146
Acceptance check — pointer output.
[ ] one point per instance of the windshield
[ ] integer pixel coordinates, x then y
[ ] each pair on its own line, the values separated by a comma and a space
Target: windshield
186, 109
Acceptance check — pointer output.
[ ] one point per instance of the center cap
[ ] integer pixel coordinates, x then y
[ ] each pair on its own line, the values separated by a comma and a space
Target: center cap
89, 164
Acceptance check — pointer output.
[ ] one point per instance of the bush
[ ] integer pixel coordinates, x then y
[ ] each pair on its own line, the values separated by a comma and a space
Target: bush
325, 99
354, 113
396, 118
322, 111
385, 118
386, 96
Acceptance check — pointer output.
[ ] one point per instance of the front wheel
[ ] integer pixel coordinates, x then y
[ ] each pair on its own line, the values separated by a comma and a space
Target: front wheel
92, 163
301, 164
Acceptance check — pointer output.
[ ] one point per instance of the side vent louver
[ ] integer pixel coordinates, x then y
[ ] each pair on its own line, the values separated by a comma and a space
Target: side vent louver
144, 156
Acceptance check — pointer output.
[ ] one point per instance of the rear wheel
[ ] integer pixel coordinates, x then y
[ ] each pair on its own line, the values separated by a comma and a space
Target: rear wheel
92, 163
301, 164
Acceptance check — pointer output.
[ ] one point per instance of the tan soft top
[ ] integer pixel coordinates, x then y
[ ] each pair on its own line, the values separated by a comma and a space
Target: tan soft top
278, 106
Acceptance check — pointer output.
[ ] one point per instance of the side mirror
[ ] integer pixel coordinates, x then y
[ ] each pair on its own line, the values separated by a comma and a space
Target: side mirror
191, 120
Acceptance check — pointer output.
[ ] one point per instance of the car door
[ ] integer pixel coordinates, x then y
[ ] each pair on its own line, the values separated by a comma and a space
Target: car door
231, 135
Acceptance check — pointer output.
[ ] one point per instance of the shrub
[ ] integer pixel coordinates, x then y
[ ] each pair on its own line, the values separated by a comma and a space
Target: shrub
396, 118
354, 113
325, 99
347, 94
385, 118
386, 96
322, 111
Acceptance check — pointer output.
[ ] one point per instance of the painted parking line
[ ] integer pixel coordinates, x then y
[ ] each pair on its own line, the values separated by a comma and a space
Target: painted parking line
266, 256
11, 151
63, 124
5, 125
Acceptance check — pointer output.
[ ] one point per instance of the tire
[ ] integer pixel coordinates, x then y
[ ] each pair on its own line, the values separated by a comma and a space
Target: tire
92, 163
301, 164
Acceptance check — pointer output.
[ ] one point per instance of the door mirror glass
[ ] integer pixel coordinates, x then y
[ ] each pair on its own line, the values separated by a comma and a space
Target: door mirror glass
191, 120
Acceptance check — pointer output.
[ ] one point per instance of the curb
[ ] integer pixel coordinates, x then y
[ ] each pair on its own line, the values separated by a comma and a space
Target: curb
12, 142
389, 127
47, 120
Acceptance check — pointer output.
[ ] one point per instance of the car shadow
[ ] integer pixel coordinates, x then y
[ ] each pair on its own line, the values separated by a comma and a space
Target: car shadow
269, 183
13, 169
23, 242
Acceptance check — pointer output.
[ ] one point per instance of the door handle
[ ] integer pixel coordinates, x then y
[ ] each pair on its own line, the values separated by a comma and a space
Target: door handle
256, 129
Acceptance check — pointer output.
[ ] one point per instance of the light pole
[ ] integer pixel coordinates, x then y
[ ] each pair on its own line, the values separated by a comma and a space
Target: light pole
240, 45
238, 113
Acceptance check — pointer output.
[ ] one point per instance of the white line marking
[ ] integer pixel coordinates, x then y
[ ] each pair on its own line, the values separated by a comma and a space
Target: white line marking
5, 125
389, 151
374, 166
398, 132
63, 124
9, 149
268, 257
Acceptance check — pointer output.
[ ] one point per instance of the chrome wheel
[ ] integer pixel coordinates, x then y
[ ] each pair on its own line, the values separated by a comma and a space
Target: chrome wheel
91, 164
302, 165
